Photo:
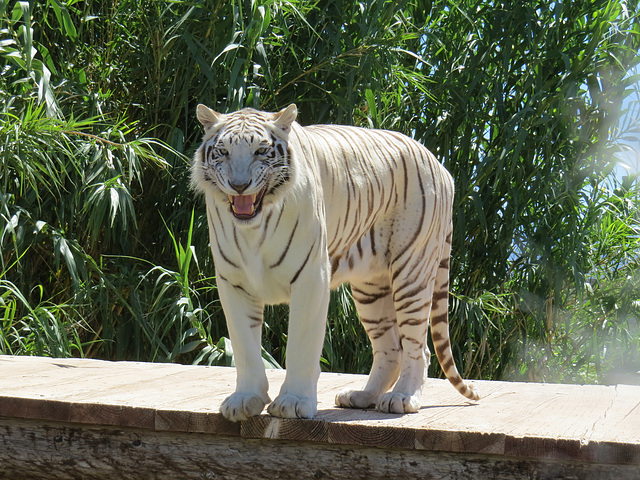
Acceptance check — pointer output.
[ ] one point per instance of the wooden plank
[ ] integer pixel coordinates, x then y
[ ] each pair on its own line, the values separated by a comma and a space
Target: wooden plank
517, 420
91, 452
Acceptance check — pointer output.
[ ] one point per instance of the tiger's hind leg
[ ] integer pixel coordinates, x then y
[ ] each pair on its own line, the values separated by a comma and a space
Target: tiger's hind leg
413, 287
374, 302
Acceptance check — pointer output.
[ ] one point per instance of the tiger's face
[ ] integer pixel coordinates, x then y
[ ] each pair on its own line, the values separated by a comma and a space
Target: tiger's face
244, 160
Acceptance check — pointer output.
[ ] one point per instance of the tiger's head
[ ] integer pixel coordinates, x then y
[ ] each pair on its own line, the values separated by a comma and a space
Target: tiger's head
244, 159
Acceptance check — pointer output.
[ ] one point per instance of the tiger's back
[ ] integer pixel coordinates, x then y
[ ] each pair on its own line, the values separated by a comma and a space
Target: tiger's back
378, 186
331, 204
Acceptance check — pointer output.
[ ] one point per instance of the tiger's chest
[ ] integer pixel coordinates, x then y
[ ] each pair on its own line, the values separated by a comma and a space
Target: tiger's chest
262, 281
265, 261
269, 263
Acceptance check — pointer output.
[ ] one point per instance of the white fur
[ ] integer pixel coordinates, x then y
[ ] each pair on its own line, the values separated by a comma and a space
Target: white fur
390, 238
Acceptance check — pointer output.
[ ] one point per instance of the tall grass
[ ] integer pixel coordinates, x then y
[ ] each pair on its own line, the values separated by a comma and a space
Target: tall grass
104, 250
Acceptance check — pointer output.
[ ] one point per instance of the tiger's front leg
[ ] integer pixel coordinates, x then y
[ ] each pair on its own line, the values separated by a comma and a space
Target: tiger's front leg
307, 320
244, 321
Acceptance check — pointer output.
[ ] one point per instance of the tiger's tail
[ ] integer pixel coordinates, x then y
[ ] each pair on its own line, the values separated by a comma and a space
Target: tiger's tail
440, 326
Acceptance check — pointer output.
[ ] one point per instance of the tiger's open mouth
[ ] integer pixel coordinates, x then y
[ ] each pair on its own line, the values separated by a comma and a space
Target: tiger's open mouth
245, 207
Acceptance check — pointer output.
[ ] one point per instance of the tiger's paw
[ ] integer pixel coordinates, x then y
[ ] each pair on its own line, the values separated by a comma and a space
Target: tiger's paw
356, 399
393, 402
240, 406
292, 406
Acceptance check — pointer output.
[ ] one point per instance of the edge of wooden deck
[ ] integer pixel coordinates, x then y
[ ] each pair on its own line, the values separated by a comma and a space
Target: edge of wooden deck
598, 424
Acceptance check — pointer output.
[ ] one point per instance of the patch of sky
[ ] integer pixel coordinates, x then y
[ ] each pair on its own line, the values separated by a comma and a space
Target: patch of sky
627, 132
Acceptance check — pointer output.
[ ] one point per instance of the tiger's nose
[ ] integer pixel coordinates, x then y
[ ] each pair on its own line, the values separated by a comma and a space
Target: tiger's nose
239, 187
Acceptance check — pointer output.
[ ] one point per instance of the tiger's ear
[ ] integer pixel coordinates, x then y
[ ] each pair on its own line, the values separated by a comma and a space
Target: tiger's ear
285, 117
207, 117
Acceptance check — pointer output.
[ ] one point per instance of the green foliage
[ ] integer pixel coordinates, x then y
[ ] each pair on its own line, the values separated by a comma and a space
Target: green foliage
104, 250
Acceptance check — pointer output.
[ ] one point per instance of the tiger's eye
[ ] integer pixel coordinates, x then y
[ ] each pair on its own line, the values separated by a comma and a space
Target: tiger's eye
262, 151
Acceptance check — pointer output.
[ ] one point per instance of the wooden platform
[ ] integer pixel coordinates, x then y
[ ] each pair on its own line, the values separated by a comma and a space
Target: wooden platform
77, 419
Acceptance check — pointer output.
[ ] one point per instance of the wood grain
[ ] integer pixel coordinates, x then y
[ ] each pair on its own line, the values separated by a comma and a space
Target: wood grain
52, 451
524, 421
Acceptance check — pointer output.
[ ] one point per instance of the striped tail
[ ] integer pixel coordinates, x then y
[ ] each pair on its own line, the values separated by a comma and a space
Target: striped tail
440, 327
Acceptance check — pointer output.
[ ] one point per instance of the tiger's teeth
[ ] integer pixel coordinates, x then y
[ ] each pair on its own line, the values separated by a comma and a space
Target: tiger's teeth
243, 204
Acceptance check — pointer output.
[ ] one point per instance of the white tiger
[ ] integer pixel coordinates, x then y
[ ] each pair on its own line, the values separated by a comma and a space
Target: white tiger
294, 211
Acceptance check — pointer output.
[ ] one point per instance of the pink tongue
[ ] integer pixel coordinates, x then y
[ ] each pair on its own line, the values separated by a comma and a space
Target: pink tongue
243, 204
